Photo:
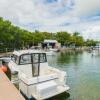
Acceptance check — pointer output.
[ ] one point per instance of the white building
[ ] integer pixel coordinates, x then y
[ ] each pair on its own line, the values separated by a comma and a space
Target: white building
51, 44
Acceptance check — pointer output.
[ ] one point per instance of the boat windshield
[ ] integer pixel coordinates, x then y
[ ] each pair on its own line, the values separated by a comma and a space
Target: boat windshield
25, 59
33, 58
15, 58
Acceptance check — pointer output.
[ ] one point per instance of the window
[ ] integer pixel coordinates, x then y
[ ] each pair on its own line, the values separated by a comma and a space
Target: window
42, 57
39, 57
25, 59
14, 58
35, 58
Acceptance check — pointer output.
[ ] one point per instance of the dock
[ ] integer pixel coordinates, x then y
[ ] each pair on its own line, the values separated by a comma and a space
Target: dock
7, 54
7, 90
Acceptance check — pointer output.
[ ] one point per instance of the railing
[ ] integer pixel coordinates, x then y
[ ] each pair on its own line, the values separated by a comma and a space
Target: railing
4, 50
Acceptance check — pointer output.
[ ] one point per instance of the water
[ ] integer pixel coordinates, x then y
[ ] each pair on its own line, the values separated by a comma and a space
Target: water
83, 75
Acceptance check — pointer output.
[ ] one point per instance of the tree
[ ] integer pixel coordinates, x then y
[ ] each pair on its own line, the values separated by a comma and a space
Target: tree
14, 37
91, 42
63, 38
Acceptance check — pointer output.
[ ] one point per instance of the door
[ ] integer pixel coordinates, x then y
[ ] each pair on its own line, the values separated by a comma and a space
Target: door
35, 64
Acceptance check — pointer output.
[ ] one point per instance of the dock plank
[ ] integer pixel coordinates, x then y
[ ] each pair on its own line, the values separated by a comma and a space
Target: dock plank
7, 90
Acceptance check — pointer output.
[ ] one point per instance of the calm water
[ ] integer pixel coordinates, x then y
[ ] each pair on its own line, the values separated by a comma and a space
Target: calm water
83, 71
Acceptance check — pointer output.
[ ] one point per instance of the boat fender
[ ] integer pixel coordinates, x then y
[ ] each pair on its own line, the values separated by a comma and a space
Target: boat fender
3, 68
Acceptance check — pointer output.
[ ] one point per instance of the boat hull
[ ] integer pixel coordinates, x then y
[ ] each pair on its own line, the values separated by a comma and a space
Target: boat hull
60, 90
34, 97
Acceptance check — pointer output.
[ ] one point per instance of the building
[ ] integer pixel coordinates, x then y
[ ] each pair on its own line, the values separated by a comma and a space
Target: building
51, 44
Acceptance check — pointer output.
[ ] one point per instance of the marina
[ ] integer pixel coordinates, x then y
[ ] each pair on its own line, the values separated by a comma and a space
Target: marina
82, 74
50, 50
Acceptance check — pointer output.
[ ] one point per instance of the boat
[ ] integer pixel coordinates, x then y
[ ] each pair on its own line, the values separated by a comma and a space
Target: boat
54, 49
47, 51
4, 60
36, 78
50, 53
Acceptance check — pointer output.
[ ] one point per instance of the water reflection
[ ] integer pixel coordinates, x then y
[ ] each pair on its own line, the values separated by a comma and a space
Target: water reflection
69, 57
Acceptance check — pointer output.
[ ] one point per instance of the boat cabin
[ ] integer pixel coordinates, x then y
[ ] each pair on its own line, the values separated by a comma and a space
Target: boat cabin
29, 62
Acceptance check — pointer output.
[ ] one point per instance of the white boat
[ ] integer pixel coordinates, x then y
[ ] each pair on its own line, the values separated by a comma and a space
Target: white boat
37, 79
4, 60
50, 53
54, 49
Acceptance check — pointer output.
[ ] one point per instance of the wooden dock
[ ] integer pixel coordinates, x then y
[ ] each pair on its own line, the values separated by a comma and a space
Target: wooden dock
7, 90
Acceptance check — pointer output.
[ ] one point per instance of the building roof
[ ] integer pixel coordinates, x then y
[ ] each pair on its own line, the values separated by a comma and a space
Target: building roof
50, 41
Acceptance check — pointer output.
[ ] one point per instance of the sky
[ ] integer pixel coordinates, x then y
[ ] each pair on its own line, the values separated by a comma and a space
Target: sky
54, 15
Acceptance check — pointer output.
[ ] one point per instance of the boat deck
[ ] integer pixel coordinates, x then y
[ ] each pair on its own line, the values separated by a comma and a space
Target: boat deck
7, 90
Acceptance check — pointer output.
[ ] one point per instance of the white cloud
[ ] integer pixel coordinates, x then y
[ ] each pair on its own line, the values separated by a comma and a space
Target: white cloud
29, 11
17, 12
92, 32
87, 7
59, 15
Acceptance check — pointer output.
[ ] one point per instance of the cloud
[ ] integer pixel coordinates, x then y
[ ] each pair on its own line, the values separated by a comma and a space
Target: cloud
54, 15
37, 11
17, 12
87, 7
93, 32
